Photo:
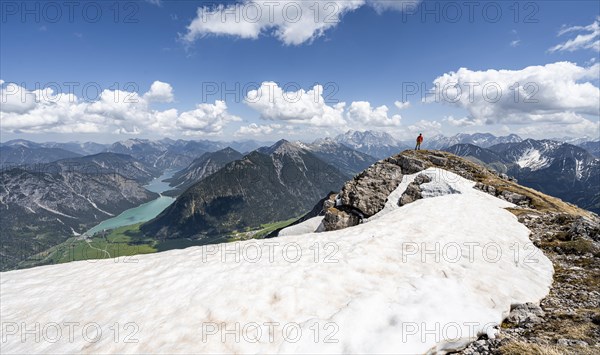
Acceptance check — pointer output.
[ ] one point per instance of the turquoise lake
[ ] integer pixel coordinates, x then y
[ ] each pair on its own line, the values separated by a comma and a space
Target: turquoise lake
143, 212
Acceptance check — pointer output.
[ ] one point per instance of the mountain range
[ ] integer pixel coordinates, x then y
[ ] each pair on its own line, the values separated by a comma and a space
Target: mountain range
483, 140
48, 193
374, 143
271, 184
558, 169
43, 208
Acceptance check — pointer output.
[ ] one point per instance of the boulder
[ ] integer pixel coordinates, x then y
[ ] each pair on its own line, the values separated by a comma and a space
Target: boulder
485, 188
411, 194
336, 219
438, 161
422, 179
525, 314
514, 197
368, 192
408, 164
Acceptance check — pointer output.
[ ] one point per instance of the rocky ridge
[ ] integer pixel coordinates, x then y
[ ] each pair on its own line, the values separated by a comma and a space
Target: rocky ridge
567, 321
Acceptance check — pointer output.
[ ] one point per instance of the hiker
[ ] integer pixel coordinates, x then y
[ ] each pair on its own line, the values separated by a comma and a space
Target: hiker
419, 141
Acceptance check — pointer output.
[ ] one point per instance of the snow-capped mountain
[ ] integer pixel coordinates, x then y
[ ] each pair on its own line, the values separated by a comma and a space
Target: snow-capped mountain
148, 151
530, 153
21, 143
373, 287
109, 163
21, 151
481, 156
382, 145
483, 140
175, 154
558, 169
576, 140
375, 143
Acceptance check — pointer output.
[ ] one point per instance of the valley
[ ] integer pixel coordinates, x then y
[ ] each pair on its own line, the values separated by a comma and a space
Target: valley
214, 198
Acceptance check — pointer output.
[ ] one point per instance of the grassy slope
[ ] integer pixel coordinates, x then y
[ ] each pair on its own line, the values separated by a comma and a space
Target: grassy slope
129, 240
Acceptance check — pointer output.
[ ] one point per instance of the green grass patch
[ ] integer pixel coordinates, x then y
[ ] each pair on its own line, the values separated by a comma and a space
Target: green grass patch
268, 228
129, 240
122, 241
261, 232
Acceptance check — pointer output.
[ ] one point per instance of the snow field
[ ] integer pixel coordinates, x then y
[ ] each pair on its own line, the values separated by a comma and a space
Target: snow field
429, 275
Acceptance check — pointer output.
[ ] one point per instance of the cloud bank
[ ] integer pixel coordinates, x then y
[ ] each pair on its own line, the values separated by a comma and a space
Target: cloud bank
309, 107
114, 111
560, 93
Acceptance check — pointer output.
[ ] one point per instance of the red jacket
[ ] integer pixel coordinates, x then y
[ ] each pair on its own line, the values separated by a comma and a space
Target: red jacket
420, 139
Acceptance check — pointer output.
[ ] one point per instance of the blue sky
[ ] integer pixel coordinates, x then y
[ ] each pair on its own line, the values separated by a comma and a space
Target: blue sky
369, 56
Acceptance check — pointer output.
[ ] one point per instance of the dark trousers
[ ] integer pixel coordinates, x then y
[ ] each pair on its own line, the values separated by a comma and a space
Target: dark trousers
418, 146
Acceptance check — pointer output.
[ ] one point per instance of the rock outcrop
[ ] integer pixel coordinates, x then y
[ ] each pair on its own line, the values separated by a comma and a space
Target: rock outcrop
512, 197
525, 315
413, 190
367, 193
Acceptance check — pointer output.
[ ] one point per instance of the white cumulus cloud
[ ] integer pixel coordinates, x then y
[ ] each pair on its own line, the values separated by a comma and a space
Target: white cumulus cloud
362, 113
14, 98
206, 118
401, 105
159, 92
292, 22
560, 92
114, 111
299, 106
463, 121
422, 126
254, 129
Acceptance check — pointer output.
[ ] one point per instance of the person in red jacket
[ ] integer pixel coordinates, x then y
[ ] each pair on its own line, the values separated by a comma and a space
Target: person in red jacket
419, 141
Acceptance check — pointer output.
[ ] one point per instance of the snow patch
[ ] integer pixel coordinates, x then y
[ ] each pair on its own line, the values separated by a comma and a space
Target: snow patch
371, 288
312, 225
579, 166
532, 159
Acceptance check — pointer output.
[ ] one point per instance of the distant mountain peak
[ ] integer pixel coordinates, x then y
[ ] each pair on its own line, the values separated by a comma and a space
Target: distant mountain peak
282, 147
376, 143
483, 140
227, 150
